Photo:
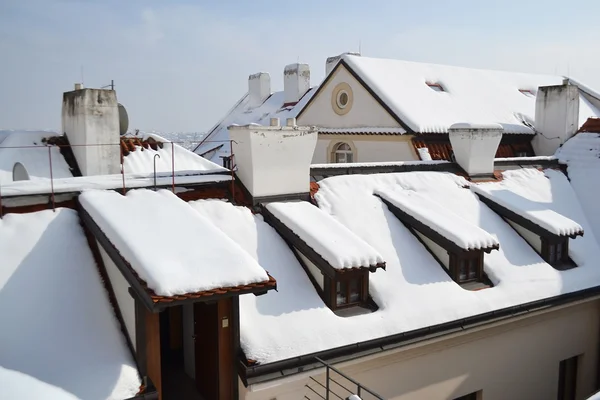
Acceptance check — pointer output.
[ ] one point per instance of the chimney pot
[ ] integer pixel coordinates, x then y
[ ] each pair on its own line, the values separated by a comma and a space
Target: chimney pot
78, 86
291, 122
296, 82
475, 146
274, 122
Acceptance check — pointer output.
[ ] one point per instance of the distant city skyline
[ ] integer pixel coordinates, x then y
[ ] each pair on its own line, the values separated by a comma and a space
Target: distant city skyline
178, 66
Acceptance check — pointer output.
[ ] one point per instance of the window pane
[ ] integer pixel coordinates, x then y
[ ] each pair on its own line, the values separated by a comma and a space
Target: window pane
462, 270
551, 253
473, 268
354, 290
340, 294
559, 252
348, 157
340, 157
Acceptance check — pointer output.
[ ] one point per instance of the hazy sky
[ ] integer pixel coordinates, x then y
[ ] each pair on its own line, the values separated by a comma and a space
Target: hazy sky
180, 65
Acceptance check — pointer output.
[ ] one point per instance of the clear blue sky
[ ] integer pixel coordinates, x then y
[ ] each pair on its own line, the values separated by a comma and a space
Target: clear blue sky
180, 65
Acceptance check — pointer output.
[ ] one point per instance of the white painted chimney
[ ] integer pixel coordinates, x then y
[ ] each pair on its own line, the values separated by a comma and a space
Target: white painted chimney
556, 117
273, 160
331, 62
475, 146
90, 119
259, 89
296, 82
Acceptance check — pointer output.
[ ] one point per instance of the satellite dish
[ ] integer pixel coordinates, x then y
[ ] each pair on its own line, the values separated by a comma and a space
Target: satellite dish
20, 172
123, 120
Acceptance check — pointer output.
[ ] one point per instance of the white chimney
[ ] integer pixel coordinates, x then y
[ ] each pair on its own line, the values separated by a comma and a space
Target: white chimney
475, 146
296, 82
274, 122
556, 117
273, 160
78, 86
259, 89
90, 119
332, 61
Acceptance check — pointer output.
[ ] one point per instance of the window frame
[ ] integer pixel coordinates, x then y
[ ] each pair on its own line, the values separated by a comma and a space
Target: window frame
550, 244
345, 152
474, 260
344, 278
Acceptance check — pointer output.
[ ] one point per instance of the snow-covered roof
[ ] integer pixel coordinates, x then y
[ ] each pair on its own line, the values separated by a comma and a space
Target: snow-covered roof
433, 215
581, 154
216, 143
324, 234
61, 340
528, 201
463, 95
141, 160
193, 254
304, 324
28, 148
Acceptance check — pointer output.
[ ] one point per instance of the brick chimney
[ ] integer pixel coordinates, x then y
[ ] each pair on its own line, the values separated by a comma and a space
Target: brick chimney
556, 117
296, 82
475, 146
332, 61
90, 118
274, 160
259, 89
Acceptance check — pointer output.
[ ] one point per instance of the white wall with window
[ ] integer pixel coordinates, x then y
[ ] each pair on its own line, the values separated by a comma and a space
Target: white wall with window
342, 153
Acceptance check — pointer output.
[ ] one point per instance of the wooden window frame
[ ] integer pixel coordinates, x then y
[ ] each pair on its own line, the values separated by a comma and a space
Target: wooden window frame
344, 278
548, 244
567, 370
474, 259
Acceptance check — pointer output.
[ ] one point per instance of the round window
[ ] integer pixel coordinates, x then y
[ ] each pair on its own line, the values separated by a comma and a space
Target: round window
342, 99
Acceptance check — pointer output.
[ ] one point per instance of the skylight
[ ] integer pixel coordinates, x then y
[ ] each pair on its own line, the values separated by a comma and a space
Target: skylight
435, 86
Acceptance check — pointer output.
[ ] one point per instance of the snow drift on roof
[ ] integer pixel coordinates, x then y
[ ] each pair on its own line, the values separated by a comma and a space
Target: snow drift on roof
172, 248
415, 291
216, 143
581, 153
324, 234
34, 158
142, 160
528, 202
454, 228
469, 95
61, 339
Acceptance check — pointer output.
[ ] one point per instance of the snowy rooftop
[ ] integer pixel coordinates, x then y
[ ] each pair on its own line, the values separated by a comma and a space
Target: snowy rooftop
325, 235
216, 143
274, 326
430, 213
528, 202
27, 147
193, 254
430, 98
61, 340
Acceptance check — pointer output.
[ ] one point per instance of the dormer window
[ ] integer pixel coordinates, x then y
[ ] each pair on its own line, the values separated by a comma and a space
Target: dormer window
546, 232
336, 260
458, 245
435, 86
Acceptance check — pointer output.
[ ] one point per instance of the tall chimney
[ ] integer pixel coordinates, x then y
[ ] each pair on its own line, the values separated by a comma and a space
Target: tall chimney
273, 160
475, 146
331, 62
296, 82
90, 119
259, 89
556, 117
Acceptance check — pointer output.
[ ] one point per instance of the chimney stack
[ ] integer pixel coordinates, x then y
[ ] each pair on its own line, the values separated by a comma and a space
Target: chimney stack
90, 119
475, 146
296, 82
556, 117
332, 61
259, 89
274, 160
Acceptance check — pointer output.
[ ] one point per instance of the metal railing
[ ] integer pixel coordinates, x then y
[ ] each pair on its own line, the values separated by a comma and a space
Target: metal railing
337, 385
51, 173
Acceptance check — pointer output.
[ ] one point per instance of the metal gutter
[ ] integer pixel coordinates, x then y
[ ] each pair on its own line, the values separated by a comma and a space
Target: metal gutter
267, 372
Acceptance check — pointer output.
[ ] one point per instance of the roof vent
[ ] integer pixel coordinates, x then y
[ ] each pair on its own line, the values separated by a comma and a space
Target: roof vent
78, 86
274, 122
435, 86
475, 146
291, 122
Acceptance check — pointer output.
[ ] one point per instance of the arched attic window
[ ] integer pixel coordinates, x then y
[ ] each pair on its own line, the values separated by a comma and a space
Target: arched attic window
342, 153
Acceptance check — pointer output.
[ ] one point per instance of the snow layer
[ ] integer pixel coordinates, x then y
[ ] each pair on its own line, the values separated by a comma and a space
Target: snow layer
469, 95
193, 255
454, 228
527, 201
581, 153
34, 155
141, 160
414, 291
60, 338
216, 143
324, 234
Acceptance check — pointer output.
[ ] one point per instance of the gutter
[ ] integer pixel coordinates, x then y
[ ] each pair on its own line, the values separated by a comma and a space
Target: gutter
279, 369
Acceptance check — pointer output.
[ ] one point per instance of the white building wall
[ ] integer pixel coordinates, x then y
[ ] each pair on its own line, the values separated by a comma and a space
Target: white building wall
314, 270
121, 289
517, 360
367, 148
534, 240
436, 249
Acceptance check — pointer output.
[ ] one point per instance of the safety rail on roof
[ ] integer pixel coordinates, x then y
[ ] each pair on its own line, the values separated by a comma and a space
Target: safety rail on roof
337, 385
